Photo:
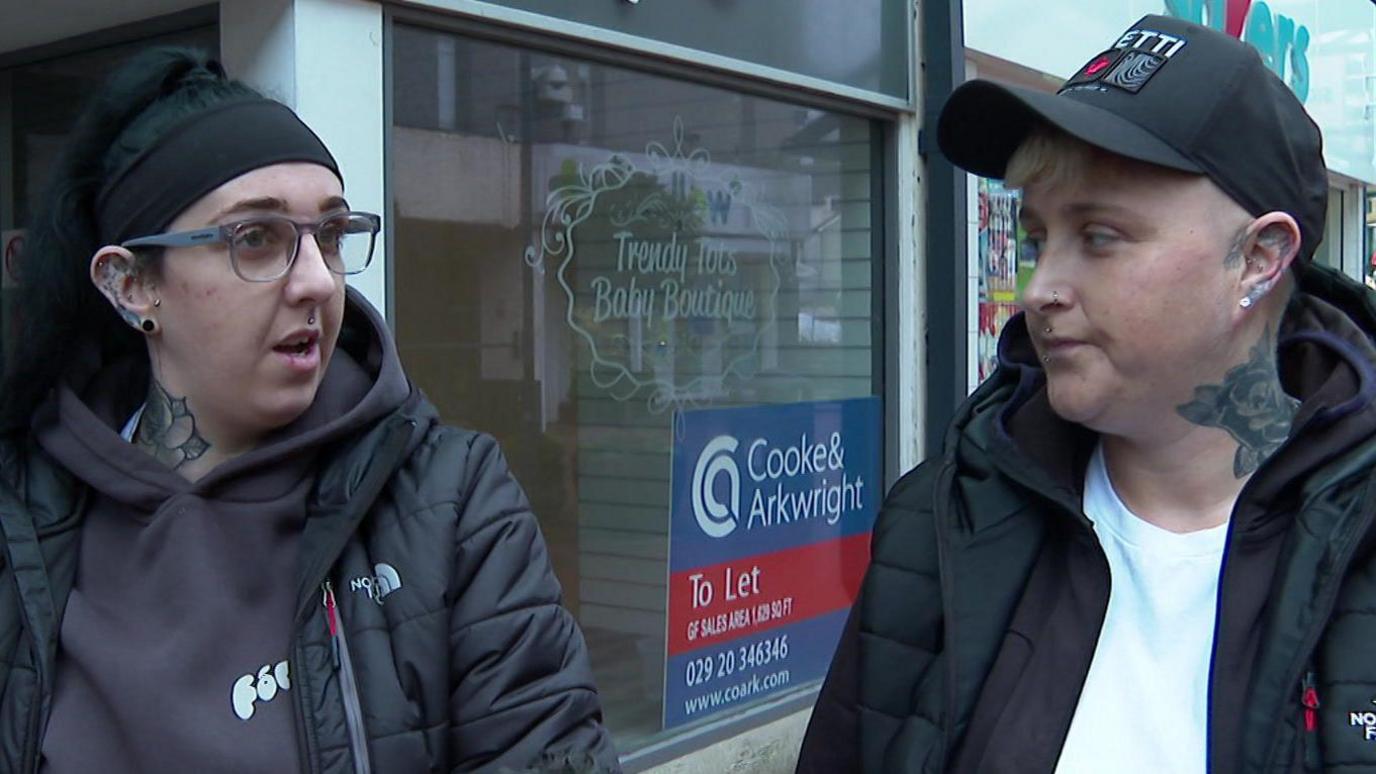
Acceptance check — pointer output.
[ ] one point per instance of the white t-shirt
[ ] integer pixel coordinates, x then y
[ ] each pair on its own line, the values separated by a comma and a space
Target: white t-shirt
1144, 707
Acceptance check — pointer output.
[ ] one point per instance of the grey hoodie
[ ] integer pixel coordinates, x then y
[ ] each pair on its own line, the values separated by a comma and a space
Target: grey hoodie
174, 641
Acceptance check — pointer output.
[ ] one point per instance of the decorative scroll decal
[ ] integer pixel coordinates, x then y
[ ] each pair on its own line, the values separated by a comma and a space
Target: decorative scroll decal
670, 268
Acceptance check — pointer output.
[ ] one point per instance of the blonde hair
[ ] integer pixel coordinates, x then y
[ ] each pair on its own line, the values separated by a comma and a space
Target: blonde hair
1050, 157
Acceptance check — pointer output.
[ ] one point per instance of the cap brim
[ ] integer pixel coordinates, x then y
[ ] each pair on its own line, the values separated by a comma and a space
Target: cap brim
983, 123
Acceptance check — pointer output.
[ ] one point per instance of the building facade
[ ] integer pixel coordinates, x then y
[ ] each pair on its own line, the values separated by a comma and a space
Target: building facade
607, 228
1325, 51
663, 251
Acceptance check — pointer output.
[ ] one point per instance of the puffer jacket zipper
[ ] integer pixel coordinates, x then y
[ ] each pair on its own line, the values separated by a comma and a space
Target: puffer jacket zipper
353, 709
1309, 743
382, 463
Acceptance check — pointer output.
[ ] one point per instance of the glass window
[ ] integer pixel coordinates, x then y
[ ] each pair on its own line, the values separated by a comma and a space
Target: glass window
582, 249
1330, 251
1369, 235
1002, 274
997, 272
39, 102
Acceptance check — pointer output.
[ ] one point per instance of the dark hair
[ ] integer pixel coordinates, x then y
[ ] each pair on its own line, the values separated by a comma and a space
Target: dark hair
60, 312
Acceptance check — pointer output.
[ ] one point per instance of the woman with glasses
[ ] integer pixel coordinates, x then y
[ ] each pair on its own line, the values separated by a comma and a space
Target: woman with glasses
235, 537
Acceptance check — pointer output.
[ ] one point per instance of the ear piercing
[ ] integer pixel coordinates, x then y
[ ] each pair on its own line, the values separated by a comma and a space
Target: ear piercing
1254, 295
148, 325
1048, 330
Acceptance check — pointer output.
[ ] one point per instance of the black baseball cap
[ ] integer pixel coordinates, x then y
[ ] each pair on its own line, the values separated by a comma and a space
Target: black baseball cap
1170, 93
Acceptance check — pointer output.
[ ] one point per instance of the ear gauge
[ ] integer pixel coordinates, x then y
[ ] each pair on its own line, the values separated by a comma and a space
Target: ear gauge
148, 325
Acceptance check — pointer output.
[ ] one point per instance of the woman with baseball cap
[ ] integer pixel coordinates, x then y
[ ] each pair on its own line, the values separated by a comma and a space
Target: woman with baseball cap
1147, 545
235, 537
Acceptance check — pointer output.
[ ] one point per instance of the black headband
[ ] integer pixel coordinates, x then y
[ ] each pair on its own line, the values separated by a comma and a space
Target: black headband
198, 155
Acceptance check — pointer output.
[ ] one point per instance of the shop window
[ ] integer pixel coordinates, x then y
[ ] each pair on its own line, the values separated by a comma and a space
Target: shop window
580, 251
1369, 235
1331, 250
39, 102
1000, 270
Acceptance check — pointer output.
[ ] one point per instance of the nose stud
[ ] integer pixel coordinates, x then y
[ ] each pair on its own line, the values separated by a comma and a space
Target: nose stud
1055, 298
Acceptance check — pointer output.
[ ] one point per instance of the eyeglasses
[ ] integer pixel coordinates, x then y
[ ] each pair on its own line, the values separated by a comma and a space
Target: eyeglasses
263, 249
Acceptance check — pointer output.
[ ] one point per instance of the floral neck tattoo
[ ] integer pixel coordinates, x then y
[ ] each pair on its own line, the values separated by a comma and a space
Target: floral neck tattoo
1250, 404
167, 429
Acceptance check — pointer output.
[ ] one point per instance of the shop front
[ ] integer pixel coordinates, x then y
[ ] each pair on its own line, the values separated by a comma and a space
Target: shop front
653, 248
644, 277
1325, 51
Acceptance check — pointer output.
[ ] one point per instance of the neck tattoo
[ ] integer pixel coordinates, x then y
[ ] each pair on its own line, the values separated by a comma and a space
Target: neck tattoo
1250, 404
167, 429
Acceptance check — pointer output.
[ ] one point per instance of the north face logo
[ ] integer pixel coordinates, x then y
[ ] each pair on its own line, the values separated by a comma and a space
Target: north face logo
1366, 720
384, 581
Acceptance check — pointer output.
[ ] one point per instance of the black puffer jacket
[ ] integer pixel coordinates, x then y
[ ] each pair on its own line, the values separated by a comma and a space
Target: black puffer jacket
979, 615
476, 667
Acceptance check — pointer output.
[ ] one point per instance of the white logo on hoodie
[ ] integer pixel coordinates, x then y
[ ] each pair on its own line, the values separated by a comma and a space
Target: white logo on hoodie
263, 686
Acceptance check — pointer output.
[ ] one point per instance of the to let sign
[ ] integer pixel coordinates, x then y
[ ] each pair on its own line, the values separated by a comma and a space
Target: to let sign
769, 538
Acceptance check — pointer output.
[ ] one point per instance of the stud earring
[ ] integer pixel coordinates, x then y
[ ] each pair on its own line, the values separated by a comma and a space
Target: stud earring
148, 325
1254, 295
157, 302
